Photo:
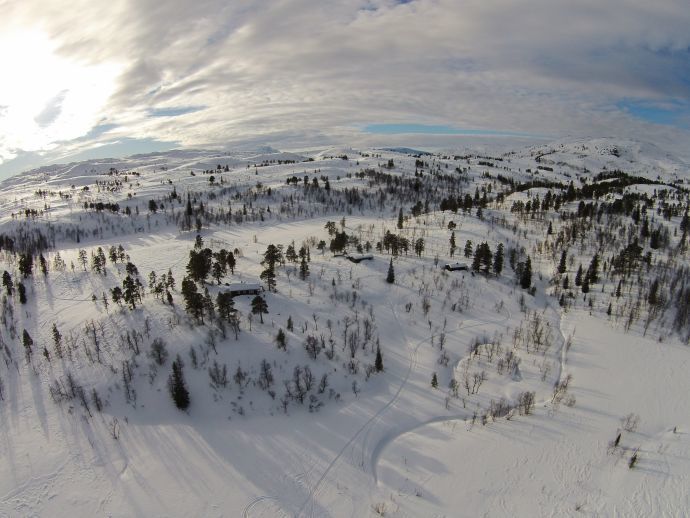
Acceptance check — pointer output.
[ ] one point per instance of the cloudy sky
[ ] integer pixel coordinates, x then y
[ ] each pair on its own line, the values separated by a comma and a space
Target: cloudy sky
86, 78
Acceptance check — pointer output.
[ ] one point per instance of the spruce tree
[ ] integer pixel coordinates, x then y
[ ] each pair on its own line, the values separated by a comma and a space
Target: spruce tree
468, 249
526, 277
22, 292
28, 343
44, 264
477, 260
57, 339
177, 386
304, 269
578, 276
281, 340
482, 258
593, 270
7, 282
434, 381
26, 264
498, 260
378, 363
390, 278
400, 218
585, 284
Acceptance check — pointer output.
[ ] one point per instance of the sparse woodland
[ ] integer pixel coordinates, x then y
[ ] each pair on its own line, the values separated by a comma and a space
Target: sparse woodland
117, 295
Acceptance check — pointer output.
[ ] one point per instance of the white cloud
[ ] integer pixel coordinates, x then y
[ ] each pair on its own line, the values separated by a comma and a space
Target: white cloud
293, 70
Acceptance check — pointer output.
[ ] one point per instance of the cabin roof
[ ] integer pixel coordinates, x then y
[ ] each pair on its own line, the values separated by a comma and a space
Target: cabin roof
359, 257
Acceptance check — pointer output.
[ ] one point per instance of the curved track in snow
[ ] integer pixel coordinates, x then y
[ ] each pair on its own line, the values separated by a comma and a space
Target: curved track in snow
380, 447
368, 425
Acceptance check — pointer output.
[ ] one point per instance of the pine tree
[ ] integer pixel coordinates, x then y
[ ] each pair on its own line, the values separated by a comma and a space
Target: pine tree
194, 301
290, 253
390, 278
272, 255
177, 386
452, 243
225, 305
434, 381
269, 277
378, 363
130, 291
259, 307
116, 293
419, 247
22, 292
400, 218
200, 264
218, 270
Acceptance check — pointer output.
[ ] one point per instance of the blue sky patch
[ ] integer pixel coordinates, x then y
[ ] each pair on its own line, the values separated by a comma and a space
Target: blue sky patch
175, 111
669, 113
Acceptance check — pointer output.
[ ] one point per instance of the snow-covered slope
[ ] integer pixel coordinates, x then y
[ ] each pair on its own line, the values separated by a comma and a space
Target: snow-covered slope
494, 399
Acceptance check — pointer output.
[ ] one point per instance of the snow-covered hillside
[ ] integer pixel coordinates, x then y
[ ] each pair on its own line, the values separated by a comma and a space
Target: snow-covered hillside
359, 377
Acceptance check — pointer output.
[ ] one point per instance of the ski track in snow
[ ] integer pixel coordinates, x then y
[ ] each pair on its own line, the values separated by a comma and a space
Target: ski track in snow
389, 438
372, 421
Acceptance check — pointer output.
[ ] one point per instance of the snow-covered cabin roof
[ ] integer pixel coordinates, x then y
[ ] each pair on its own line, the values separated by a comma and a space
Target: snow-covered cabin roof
457, 266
